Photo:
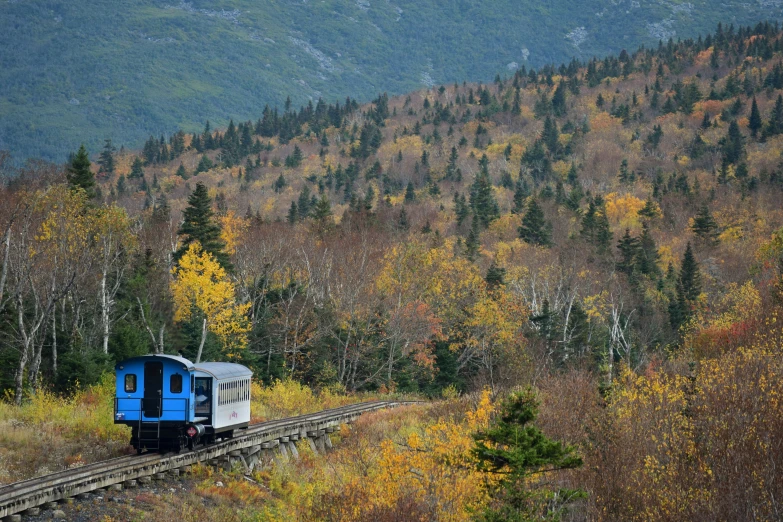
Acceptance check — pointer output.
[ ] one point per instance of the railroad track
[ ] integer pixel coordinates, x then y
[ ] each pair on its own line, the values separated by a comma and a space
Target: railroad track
246, 446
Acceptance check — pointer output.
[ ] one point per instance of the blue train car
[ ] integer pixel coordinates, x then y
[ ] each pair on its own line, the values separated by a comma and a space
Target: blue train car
171, 403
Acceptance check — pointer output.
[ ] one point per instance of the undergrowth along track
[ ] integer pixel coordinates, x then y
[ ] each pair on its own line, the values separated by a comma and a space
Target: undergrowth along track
20, 496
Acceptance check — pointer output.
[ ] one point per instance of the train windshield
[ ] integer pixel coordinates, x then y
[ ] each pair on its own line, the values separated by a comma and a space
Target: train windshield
203, 396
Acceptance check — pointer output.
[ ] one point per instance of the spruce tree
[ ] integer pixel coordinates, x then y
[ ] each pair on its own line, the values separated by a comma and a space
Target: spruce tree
293, 214
482, 196
775, 124
629, 251
106, 158
199, 225
514, 450
322, 211
137, 169
647, 255
754, 123
705, 227
534, 229
733, 144
551, 136
472, 242
181, 172
603, 234
520, 195
688, 289
79, 174
495, 276
410, 193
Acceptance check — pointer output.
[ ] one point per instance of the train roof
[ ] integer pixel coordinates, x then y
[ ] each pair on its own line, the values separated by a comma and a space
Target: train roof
223, 370
184, 362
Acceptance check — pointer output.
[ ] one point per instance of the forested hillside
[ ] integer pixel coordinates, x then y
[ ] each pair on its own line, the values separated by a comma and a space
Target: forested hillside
80, 72
610, 232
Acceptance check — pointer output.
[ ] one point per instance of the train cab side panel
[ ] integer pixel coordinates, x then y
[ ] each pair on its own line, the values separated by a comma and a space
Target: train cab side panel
155, 397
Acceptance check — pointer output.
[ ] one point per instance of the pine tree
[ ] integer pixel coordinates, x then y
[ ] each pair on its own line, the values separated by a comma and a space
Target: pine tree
775, 124
733, 144
461, 208
199, 225
551, 136
534, 229
204, 165
293, 214
649, 210
280, 184
79, 174
482, 196
322, 211
121, 185
137, 169
705, 227
495, 276
629, 251
521, 193
514, 451
106, 159
754, 123
181, 172
647, 255
688, 289
472, 242
402, 220
603, 233
559, 99
303, 203
410, 193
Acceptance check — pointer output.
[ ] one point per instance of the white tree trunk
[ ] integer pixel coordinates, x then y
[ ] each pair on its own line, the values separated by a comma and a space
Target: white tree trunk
203, 338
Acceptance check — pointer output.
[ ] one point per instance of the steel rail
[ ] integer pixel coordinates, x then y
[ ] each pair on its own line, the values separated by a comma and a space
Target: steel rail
23, 495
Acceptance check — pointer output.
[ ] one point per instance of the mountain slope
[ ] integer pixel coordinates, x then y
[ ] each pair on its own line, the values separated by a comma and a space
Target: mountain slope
73, 72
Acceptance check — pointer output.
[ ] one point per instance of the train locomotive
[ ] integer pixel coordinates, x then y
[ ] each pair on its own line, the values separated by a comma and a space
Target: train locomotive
171, 403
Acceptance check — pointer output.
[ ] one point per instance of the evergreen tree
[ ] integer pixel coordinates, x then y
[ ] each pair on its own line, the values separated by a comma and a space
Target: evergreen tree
775, 124
754, 123
79, 174
106, 159
181, 172
559, 99
705, 227
649, 210
688, 289
495, 276
280, 184
204, 165
198, 225
551, 136
461, 208
303, 203
402, 220
534, 229
647, 255
322, 211
137, 169
293, 214
629, 252
410, 193
521, 193
603, 233
472, 242
733, 144
482, 196
514, 450
121, 185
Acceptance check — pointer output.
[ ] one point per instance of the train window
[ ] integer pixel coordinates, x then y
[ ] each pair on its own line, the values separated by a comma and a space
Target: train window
175, 383
130, 383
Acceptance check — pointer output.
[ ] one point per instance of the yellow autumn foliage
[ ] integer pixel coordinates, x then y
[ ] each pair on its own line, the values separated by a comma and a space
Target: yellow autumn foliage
200, 282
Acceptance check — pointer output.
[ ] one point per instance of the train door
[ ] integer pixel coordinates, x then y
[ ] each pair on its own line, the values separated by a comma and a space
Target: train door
153, 389
203, 397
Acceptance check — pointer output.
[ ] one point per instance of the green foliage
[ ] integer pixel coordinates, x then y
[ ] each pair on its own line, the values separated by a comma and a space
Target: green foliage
79, 174
199, 225
519, 452
535, 229
213, 53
